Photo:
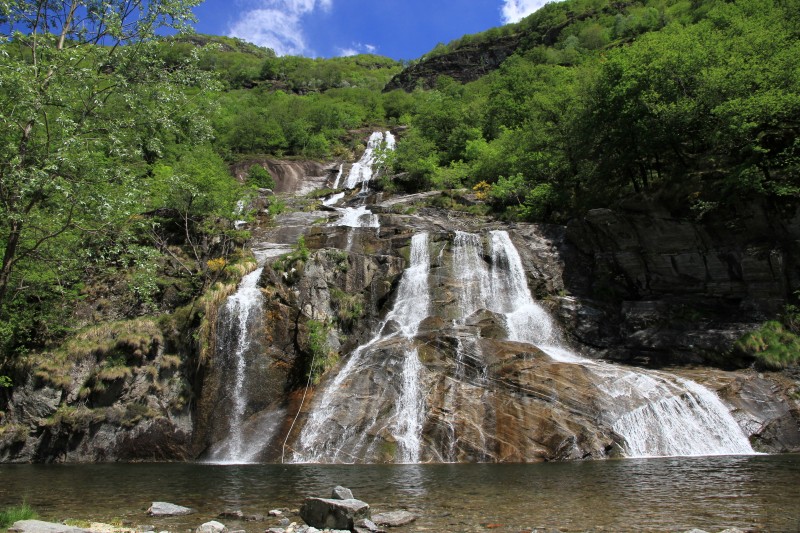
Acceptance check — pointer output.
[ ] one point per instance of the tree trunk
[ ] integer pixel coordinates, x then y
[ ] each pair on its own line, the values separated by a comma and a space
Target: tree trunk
8, 259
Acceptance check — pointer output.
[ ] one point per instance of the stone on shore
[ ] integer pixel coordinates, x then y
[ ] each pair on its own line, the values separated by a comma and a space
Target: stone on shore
324, 513
342, 493
212, 527
39, 526
168, 509
394, 518
365, 525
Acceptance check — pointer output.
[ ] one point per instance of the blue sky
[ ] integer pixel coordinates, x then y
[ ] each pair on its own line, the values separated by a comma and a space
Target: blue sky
400, 29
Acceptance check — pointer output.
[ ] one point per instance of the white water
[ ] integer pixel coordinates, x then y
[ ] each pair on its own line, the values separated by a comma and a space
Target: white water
657, 414
317, 443
338, 177
240, 308
362, 171
357, 217
333, 199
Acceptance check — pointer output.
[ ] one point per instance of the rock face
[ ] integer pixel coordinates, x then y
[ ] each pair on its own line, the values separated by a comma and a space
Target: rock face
658, 289
297, 177
82, 409
326, 513
465, 64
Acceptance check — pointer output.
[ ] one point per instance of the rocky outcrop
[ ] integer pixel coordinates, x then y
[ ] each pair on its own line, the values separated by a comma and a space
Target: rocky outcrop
464, 64
291, 176
658, 289
122, 400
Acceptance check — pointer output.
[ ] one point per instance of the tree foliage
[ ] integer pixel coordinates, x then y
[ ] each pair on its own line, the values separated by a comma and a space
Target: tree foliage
86, 108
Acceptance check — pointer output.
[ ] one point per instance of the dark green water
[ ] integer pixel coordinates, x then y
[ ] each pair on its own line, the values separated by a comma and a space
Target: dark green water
671, 494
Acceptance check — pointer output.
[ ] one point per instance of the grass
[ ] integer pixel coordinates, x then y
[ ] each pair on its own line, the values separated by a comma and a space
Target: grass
13, 514
773, 345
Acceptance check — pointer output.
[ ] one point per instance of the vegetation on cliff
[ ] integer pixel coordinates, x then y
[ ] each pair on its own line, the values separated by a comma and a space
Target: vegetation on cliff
117, 200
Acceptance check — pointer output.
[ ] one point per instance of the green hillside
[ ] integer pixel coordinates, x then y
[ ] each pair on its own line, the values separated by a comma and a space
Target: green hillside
117, 198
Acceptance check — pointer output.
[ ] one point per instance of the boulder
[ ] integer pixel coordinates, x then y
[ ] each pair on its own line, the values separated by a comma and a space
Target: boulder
168, 509
212, 527
38, 526
341, 493
394, 518
324, 513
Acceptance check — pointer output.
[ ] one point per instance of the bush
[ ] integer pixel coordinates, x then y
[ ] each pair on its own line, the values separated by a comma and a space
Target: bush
260, 178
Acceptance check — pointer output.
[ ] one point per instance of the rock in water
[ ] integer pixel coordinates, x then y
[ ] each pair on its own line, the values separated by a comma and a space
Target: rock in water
212, 527
365, 525
168, 509
342, 493
38, 526
394, 518
327, 513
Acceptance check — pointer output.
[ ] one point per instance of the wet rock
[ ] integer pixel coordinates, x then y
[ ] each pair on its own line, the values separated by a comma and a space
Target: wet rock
366, 525
342, 493
275, 512
394, 518
232, 514
333, 514
39, 526
212, 527
168, 509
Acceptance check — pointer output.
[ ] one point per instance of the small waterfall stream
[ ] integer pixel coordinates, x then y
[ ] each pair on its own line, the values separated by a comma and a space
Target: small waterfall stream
317, 443
362, 171
235, 337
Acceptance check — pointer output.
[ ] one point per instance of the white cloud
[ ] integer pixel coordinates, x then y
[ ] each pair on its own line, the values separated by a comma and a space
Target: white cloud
514, 10
277, 24
357, 48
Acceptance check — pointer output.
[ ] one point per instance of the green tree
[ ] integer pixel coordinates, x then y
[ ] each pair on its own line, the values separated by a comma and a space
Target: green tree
86, 108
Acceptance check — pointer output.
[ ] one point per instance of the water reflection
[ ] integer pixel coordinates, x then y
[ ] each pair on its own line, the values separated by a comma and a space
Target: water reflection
670, 494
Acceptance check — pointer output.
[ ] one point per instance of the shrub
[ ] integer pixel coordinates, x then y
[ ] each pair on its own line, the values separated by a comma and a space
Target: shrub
260, 178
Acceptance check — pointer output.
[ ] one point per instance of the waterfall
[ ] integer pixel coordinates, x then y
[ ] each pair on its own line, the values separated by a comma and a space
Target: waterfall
338, 177
362, 171
526, 320
332, 199
377, 398
317, 443
357, 217
241, 309
657, 414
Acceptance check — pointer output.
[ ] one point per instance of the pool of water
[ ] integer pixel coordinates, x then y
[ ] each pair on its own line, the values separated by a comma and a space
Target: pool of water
669, 494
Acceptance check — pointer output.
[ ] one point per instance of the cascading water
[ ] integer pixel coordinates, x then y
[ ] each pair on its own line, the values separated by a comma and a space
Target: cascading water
333, 199
235, 336
338, 177
362, 171
657, 414
317, 443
